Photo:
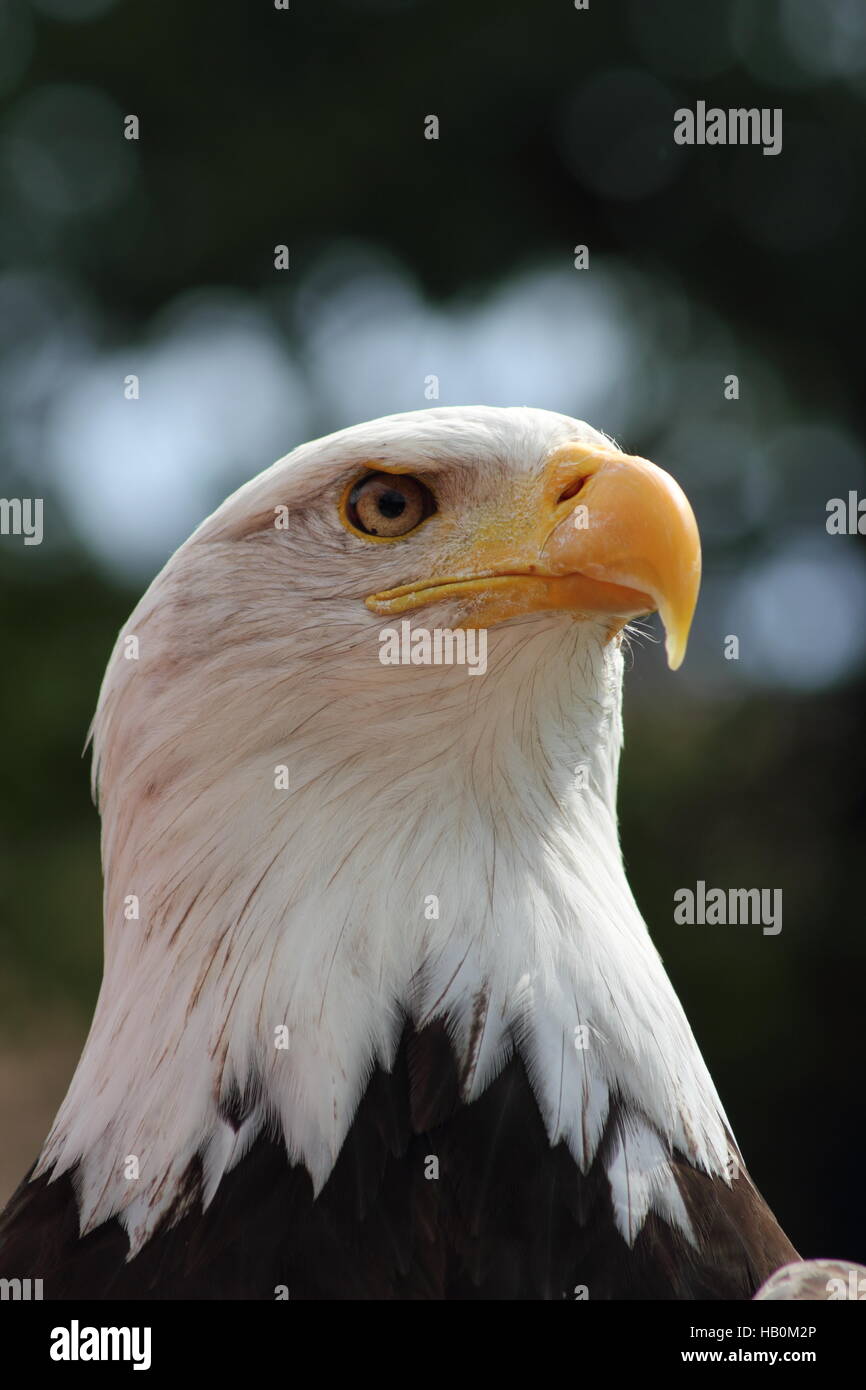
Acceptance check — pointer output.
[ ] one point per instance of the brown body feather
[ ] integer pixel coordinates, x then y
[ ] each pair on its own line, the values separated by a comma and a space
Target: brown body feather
508, 1217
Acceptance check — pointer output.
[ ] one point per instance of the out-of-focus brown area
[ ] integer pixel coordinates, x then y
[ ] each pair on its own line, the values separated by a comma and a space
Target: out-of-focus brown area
33, 1082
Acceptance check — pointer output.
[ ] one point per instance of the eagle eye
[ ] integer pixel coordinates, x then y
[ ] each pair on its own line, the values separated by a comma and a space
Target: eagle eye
387, 504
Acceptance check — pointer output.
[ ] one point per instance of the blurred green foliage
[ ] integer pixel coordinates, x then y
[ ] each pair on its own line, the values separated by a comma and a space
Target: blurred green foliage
57, 630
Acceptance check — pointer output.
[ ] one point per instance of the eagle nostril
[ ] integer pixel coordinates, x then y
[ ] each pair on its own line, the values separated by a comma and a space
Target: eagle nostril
572, 490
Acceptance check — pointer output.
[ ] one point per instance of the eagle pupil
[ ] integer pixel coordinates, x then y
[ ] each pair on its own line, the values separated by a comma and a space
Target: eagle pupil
392, 504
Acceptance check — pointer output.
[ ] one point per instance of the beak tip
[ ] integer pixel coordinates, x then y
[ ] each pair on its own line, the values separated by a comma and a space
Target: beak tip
676, 642
677, 623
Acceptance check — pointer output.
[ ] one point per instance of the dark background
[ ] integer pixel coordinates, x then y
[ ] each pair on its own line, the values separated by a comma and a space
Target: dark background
455, 257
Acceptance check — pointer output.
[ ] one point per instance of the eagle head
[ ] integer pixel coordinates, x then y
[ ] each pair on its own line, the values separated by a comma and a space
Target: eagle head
315, 832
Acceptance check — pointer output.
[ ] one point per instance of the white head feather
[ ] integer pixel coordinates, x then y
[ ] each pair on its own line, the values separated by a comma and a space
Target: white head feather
305, 909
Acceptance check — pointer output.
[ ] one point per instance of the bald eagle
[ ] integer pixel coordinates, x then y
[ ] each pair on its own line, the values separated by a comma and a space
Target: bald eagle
380, 1017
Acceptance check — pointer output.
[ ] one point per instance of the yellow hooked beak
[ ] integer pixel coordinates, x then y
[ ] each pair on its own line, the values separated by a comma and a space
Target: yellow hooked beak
600, 535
